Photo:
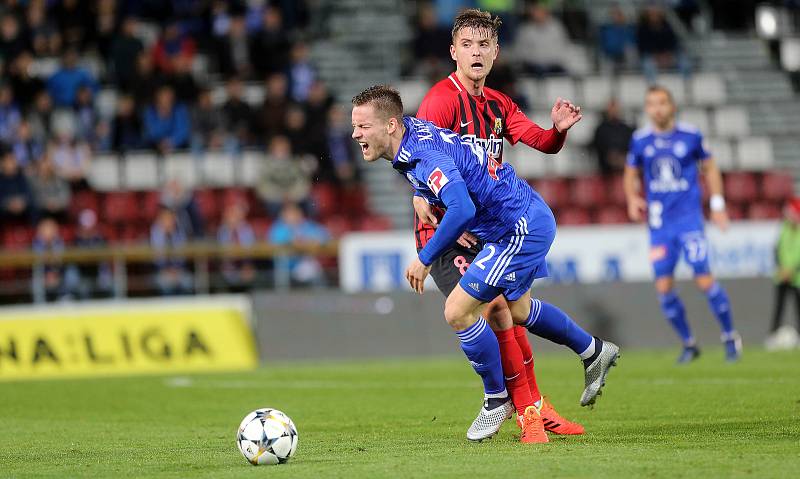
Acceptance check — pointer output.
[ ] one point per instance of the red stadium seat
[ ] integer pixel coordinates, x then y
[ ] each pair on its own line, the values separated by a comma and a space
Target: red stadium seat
615, 193
325, 199
18, 237
735, 212
150, 203
764, 211
134, 233
337, 225
777, 186
354, 201
375, 223
555, 191
741, 187
235, 195
260, 227
573, 216
83, 200
612, 215
208, 204
588, 191
120, 207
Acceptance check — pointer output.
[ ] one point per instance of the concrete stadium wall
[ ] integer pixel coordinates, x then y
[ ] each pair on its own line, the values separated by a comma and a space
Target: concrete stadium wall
332, 324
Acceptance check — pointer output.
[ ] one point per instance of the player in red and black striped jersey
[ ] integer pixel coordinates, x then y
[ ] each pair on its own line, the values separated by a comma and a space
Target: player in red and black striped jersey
462, 103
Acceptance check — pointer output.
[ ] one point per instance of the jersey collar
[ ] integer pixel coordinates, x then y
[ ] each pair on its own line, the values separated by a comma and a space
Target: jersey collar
461, 88
403, 156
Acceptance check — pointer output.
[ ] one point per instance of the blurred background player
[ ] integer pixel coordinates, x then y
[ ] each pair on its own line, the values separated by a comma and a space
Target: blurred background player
462, 103
517, 227
787, 278
667, 154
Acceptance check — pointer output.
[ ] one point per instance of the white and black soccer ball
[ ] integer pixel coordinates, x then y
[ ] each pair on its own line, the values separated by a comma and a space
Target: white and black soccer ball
267, 436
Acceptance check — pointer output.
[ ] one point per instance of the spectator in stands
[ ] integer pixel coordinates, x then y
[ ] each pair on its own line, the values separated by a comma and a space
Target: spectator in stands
10, 116
125, 50
271, 43
64, 84
50, 276
284, 177
316, 111
237, 113
172, 44
166, 124
239, 274
126, 127
25, 86
787, 276
340, 157
293, 228
272, 114
541, 42
430, 44
301, 73
26, 148
611, 140
686, 10
234, 50
296, 129
16, 197
40, 117
74, 20
617, 38
42, 35
86, 118
208, 126
659, 47
72, 157
172, 275
146, 80
51, 193
12, 42
91, 278
180, 200
182, 80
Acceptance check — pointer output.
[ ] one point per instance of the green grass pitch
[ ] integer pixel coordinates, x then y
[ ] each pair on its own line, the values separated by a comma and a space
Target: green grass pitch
408, 418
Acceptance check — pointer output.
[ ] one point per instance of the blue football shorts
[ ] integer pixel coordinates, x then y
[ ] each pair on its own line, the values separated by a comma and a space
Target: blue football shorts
666, 248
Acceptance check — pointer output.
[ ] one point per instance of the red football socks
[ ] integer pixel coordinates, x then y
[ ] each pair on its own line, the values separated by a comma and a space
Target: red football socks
521, 336
514, 369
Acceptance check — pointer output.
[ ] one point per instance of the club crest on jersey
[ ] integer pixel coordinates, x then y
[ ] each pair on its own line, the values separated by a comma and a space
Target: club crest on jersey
666, 176
679, 149
436, 181
498, 126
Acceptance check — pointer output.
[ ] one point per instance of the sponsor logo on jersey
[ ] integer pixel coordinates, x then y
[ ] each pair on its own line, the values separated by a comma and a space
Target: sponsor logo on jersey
492, 145
657, 253
512, 276
411, 179
437, 180
666, 176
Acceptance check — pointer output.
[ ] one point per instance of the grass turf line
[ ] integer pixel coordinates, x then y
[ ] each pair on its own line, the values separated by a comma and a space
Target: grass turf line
408, 418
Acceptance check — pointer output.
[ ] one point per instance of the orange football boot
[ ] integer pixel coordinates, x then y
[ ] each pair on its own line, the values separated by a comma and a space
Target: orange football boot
553, 422
533, 427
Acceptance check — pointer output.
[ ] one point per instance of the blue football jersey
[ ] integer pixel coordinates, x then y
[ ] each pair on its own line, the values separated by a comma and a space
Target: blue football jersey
431, 157
669, 162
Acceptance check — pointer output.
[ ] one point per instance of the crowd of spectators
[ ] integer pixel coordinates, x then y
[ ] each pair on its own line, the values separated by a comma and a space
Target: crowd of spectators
178, 72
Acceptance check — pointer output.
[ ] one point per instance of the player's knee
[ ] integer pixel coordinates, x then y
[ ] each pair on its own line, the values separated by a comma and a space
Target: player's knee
664, 285
498, 314
704, 282
456, 317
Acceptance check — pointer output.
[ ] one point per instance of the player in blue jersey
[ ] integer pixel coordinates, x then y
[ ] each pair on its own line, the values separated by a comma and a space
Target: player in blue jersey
517, 228
670, 156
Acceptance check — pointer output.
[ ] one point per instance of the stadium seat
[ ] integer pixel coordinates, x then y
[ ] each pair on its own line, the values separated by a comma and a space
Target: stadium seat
740, 187
83, 200
755, 153
527, 162
696, 117
676, 86
325, 199
583, 133
254, 94
555, 191
731, 122
182, 166
722, 152
735, 212
631, 91
133, 233
353, 201
208, 203
611, 215
615, 192
529, 87
120, 207
412, 92
375, 223
261, 226
230, 196
707, 89
219, 170
250, 168
336, 225
17, 237
104, 173
141, 171
554, 87
573, 160
764, 211
588, 191
777, 186
596, 91
150, 201
106, 102
573, 217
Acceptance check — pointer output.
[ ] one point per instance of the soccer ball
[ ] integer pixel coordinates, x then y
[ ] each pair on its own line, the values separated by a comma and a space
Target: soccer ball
267, 436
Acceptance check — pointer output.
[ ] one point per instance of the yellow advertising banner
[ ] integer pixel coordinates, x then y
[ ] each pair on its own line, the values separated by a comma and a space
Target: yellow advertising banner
122, 338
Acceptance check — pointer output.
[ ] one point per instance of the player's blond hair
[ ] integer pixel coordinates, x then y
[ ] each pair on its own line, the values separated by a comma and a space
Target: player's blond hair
476, 19
385, 99
661, 89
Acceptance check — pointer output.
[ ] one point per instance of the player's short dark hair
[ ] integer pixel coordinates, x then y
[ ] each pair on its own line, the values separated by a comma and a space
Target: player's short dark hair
478, 20
661, 89
385, 99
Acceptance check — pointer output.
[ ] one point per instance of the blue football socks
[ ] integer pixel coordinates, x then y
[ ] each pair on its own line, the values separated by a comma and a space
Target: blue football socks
479, 343
673, 310
549, 322
721, 307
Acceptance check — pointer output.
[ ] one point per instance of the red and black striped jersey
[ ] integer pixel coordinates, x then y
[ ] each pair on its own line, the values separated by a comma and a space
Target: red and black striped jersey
487, 119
